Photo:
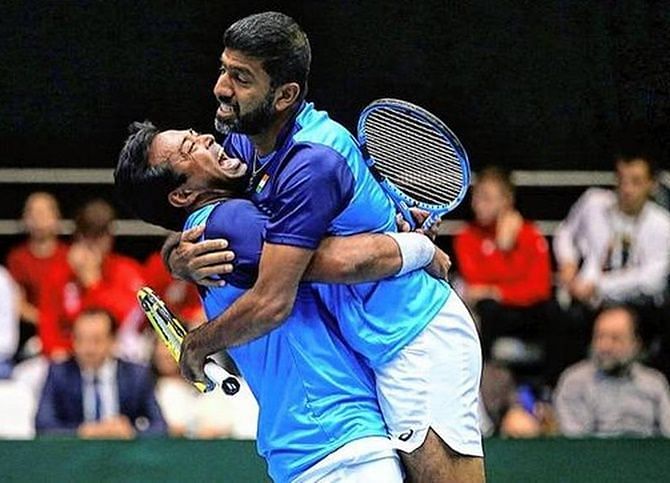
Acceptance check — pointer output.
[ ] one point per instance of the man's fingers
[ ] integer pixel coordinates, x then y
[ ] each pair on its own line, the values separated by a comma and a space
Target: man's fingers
211, 282
401, 223
214, 258
419, 215
207, 246
209, 271
192, 234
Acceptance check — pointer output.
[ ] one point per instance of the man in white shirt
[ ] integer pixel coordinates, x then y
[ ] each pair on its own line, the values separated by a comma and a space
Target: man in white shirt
622, 239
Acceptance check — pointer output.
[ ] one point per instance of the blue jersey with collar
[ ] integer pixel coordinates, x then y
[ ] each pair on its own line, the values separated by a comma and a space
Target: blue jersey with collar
313, 392
316, 184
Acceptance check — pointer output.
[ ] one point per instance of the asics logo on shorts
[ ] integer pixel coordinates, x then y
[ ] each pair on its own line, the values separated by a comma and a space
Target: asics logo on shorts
406, 435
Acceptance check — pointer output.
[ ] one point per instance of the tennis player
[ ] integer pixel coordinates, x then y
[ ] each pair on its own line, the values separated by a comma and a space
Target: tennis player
308, 176
319, 418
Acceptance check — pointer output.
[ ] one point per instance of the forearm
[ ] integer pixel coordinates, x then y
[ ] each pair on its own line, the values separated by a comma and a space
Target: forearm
252, 315
355, 259
370, 257
649, 279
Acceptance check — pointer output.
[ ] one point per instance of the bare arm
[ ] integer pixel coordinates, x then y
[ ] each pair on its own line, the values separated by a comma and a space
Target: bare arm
353, 259
262, 308
364, 258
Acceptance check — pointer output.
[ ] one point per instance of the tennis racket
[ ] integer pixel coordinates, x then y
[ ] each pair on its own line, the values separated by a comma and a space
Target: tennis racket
415, 157
172, 333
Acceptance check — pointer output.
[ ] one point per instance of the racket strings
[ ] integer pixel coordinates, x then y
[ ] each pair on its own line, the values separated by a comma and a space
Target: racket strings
415, 156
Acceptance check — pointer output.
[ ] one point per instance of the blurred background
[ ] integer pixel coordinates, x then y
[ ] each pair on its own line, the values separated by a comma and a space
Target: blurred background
543, 90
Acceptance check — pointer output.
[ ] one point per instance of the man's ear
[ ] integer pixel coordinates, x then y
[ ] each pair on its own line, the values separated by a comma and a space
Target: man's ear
286, 95
182, 197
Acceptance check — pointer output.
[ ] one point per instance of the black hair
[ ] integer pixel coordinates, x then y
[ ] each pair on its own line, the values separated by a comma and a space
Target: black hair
144, 188
638, 141
278, 42
498, 175
629, 310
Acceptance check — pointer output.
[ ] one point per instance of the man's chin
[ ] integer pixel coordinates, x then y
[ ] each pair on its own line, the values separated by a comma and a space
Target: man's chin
613, 367
223, 127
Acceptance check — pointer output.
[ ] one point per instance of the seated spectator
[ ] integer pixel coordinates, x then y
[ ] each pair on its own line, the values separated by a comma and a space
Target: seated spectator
192, 414
95, 395
611, 394
92, 275
181, 296
9, 323
36, 256
614, 247
504, 262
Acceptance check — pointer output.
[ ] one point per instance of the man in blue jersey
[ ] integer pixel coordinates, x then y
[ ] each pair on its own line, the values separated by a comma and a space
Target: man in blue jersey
319, 418
309, 178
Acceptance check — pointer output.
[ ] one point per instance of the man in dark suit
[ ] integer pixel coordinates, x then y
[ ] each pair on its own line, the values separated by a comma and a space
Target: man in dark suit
95, 395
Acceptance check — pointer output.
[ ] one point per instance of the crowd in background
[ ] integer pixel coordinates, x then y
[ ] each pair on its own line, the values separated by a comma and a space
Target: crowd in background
579, 347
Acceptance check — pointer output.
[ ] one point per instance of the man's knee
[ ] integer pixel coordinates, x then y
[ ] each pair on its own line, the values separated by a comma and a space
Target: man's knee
436, 461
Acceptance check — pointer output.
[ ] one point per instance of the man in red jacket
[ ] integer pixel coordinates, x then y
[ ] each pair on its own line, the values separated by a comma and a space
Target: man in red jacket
92, 276
504, 261
29, 261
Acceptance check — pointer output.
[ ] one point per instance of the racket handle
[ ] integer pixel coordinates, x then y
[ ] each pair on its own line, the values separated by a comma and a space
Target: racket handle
406, 214
217, 374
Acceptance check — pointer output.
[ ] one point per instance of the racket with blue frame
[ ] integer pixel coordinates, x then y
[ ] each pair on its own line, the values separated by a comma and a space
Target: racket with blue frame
415, 157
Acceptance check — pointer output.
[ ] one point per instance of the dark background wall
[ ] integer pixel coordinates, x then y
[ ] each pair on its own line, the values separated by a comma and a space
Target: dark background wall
527, 84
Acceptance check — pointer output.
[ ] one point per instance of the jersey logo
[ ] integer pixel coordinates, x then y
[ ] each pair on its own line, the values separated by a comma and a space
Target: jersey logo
406, 435
262, 183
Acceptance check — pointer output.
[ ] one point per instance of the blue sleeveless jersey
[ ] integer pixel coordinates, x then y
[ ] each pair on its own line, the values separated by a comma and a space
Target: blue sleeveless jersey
316, 184
313, 392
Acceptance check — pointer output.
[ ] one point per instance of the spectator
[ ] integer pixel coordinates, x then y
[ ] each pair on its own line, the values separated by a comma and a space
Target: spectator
36, 256
9, 323
504, 262
95, 395
195, 415
93, 275
614, 246
181, 296
611, 394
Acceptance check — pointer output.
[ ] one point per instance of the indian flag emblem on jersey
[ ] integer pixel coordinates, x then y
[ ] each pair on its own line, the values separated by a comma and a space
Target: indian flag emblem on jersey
262, 183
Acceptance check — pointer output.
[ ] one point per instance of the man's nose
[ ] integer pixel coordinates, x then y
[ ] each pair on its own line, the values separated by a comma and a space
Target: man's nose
223, 88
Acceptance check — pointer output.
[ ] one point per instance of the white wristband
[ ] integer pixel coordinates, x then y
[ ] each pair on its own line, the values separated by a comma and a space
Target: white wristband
416, 251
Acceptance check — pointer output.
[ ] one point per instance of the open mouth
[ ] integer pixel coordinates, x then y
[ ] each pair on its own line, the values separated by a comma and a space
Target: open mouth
225, 111
233, 166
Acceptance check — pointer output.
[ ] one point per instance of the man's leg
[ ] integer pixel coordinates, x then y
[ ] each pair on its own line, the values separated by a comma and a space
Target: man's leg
434, 461
429, 396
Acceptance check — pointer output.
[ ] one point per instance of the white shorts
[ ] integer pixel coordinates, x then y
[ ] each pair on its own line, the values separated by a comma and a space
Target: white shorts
361, 461
434, 382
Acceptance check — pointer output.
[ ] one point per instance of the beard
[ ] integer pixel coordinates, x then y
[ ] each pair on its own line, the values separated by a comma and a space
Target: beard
612, 366
251, 123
